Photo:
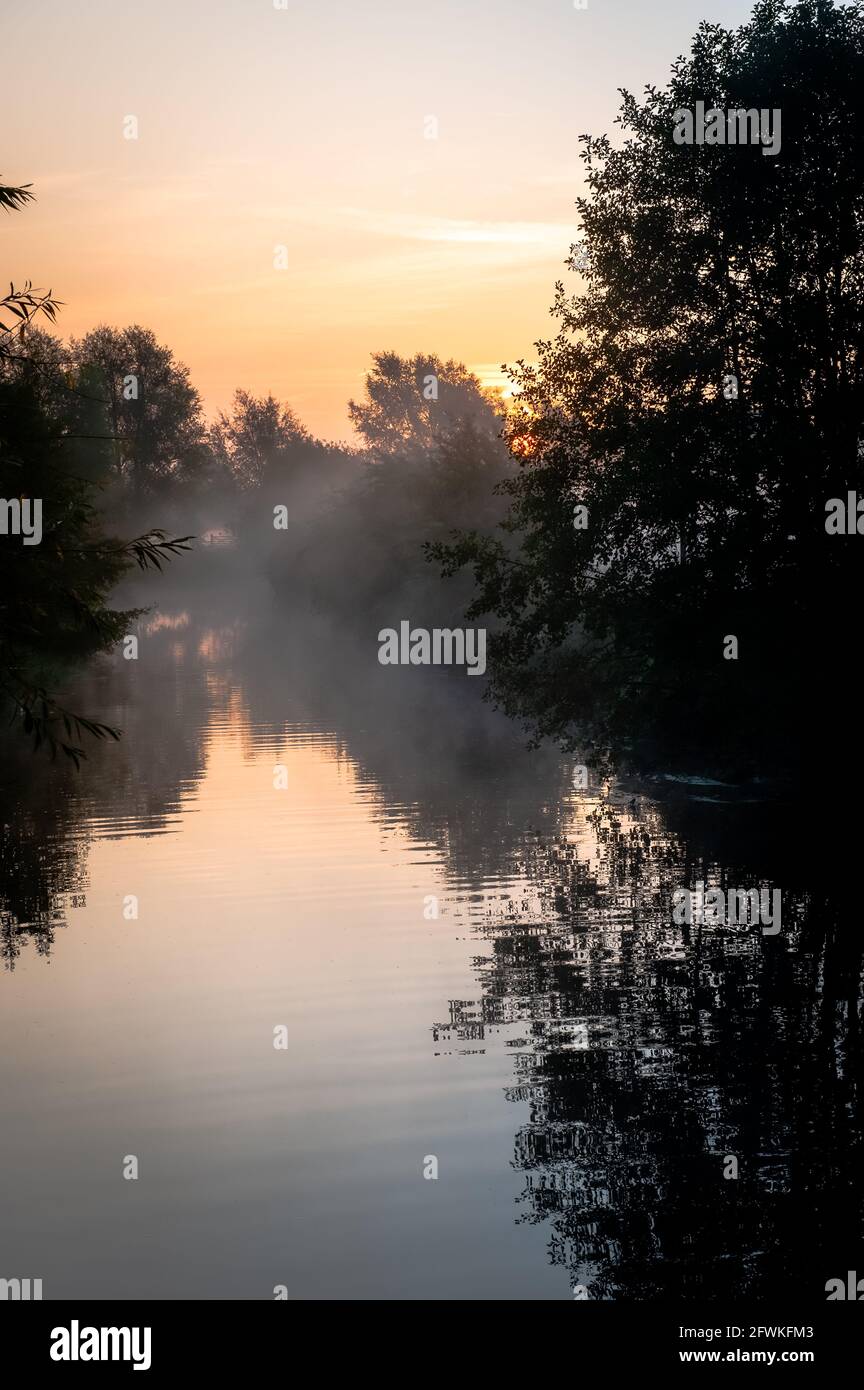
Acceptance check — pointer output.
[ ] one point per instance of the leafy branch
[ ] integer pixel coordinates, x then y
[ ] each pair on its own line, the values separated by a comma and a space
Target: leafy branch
41, 718
153, 549
12, 198
24, 305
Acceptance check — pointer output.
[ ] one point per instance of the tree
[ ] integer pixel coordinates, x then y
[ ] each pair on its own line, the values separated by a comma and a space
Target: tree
153, 409
433, 460
702, 400
54, 592
255, 435
412, 404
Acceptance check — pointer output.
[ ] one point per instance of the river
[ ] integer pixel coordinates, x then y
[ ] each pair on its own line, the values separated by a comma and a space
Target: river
384, 1005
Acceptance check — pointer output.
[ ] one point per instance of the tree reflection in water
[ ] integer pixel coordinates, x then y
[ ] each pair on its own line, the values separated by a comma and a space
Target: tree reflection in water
651, 1055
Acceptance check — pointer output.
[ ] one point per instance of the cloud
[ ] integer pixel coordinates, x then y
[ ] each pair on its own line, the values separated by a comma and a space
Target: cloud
548, 236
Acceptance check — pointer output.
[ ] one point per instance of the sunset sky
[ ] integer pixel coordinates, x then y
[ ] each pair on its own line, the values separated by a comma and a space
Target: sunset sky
305, 127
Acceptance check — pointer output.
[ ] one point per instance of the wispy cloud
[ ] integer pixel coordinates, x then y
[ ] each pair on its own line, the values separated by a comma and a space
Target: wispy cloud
551, 236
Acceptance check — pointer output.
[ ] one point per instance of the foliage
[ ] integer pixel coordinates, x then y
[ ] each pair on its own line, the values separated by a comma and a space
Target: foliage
706, 510
256, 437
428, 466
412, 404
54, 594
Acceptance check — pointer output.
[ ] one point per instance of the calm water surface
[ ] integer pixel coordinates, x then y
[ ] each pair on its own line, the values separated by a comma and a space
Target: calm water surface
580, 1067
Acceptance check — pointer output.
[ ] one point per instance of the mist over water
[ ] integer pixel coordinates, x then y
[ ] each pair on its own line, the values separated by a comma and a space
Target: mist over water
580, 1066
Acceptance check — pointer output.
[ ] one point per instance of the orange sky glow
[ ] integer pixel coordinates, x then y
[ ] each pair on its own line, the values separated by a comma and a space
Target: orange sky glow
418, 164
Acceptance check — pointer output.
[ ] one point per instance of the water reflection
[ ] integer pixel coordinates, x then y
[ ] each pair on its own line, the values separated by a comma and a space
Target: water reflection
694, 1123
42, 858
412, 740
633, 1057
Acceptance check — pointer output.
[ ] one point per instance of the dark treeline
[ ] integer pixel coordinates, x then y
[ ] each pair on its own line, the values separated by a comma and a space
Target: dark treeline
703, 402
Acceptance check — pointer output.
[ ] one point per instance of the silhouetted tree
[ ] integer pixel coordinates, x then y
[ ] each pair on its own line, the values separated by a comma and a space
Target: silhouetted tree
412, 404
702, 401
54, 592
253, 438
154, 410
433, 460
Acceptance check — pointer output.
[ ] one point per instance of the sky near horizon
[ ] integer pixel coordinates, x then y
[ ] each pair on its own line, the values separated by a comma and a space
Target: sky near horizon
308, 127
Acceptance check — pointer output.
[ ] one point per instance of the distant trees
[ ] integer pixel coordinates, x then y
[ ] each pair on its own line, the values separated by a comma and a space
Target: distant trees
433, 440
118, 413
256, 434
412, 405
702, 400
269, 458
433, 460
118, 420
154, 410
126, 397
